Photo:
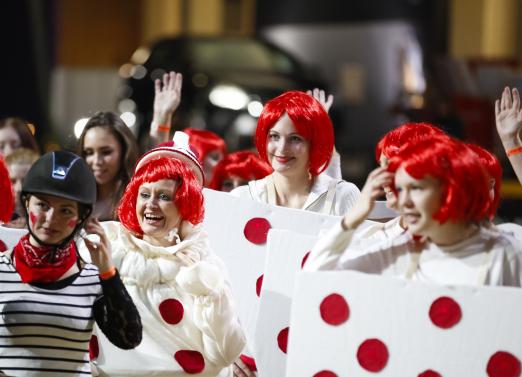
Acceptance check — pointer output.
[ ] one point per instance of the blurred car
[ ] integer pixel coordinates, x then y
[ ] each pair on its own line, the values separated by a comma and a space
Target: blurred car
226, 81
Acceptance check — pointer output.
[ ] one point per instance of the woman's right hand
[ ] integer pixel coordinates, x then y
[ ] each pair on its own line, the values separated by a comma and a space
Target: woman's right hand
373, 189
167, 97
100, 251
242, 370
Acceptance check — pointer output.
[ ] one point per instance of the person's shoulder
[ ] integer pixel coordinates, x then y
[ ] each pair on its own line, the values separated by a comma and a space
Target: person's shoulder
252, 190
347, 188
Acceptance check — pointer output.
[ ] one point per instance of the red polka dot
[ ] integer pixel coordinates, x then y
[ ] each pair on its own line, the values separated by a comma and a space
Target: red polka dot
259, 285
503, 364
249, 362
171, 311
305, 258
282, 339
94, 348
192, 362
256, 230
3, 246
334, 309
372, 355
325, 373
445, 312
429, 373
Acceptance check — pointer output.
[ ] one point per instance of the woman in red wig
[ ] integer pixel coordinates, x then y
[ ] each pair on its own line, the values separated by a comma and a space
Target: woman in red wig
178, 284
295, 136
236, 169
443, 197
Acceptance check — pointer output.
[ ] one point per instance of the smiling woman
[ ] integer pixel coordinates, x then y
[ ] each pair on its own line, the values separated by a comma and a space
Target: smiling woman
110, 149
167, 265
295, 136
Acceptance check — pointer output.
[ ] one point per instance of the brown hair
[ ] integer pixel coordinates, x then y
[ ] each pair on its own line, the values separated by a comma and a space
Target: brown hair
21, 127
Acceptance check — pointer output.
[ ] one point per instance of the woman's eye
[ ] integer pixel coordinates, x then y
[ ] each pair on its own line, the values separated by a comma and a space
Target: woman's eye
144, 195
107, 152
295, 139
87, 152
42, 205
164, 197
273, 136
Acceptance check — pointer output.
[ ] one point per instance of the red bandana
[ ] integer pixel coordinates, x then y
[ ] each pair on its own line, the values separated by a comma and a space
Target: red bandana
34, 263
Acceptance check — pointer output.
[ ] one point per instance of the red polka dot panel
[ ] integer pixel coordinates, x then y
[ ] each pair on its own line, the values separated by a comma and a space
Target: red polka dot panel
94, 348
3, 246
372, 355
282, 339
305, 258
171, 311
192, 362
249, 362
503, 364
259, 285
429, 373
256, 230
334, 309
445, 312
325, 373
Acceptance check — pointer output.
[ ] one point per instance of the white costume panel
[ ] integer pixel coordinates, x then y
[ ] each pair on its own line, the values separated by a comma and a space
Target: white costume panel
343, 195
488, 257
353, 324
187, 313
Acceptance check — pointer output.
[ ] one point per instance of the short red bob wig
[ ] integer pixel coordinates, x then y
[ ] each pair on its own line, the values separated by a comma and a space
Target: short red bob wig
464, 182
6, 193
392, 141
494, 171
310, 120
204, 142
243, 164
188, 198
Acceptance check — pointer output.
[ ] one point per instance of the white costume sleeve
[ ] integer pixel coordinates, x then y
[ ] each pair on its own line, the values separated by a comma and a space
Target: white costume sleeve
327, 252
213, 311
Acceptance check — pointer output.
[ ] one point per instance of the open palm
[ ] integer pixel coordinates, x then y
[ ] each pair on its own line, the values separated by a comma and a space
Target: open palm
508, 114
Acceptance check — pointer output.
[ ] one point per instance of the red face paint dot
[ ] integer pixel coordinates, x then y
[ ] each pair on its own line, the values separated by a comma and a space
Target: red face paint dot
282, 339
305, 258
32, 217
334, 309
372, 355
3, 246
192, 362
259, 285
94, 348
171, 311
325, 373
503, 364
445, 312
429, 373
72, 223
256, 230
249, 362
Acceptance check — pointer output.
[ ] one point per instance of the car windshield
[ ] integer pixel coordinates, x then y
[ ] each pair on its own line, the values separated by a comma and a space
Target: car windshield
239, 55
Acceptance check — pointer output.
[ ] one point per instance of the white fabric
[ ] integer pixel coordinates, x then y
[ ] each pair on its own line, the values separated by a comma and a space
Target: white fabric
346, 194
457, 264
334, 167
153, 274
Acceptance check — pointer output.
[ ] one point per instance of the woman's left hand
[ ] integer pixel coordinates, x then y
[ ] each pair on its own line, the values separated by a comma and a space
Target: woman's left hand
100, 251
188, 257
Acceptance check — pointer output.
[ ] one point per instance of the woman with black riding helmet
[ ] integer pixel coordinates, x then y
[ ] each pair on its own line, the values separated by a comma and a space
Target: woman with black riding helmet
50, 297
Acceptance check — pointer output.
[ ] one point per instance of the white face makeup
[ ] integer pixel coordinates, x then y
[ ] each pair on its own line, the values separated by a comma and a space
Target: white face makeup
288, 152
156, 212
418, 201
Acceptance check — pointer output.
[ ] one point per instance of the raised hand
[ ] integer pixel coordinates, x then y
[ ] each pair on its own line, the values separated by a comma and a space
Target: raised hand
167, 95
508, 116
320, 96
373, 188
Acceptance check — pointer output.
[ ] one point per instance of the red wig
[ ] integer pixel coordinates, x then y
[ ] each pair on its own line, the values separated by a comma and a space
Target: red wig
188, 198
204, 142
243, 164
309, 118
6, 193
465, 192
494, 170
392, 141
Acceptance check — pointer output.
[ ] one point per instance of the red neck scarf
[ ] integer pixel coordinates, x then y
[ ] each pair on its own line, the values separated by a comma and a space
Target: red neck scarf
43, 264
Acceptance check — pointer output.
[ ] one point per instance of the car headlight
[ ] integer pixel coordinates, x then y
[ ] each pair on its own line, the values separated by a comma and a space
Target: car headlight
228, 97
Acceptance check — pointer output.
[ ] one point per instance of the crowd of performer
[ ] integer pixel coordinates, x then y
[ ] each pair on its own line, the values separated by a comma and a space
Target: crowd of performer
115, 239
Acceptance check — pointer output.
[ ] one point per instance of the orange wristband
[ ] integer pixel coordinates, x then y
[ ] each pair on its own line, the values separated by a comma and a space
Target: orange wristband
108, 274
164, 128
514, 151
